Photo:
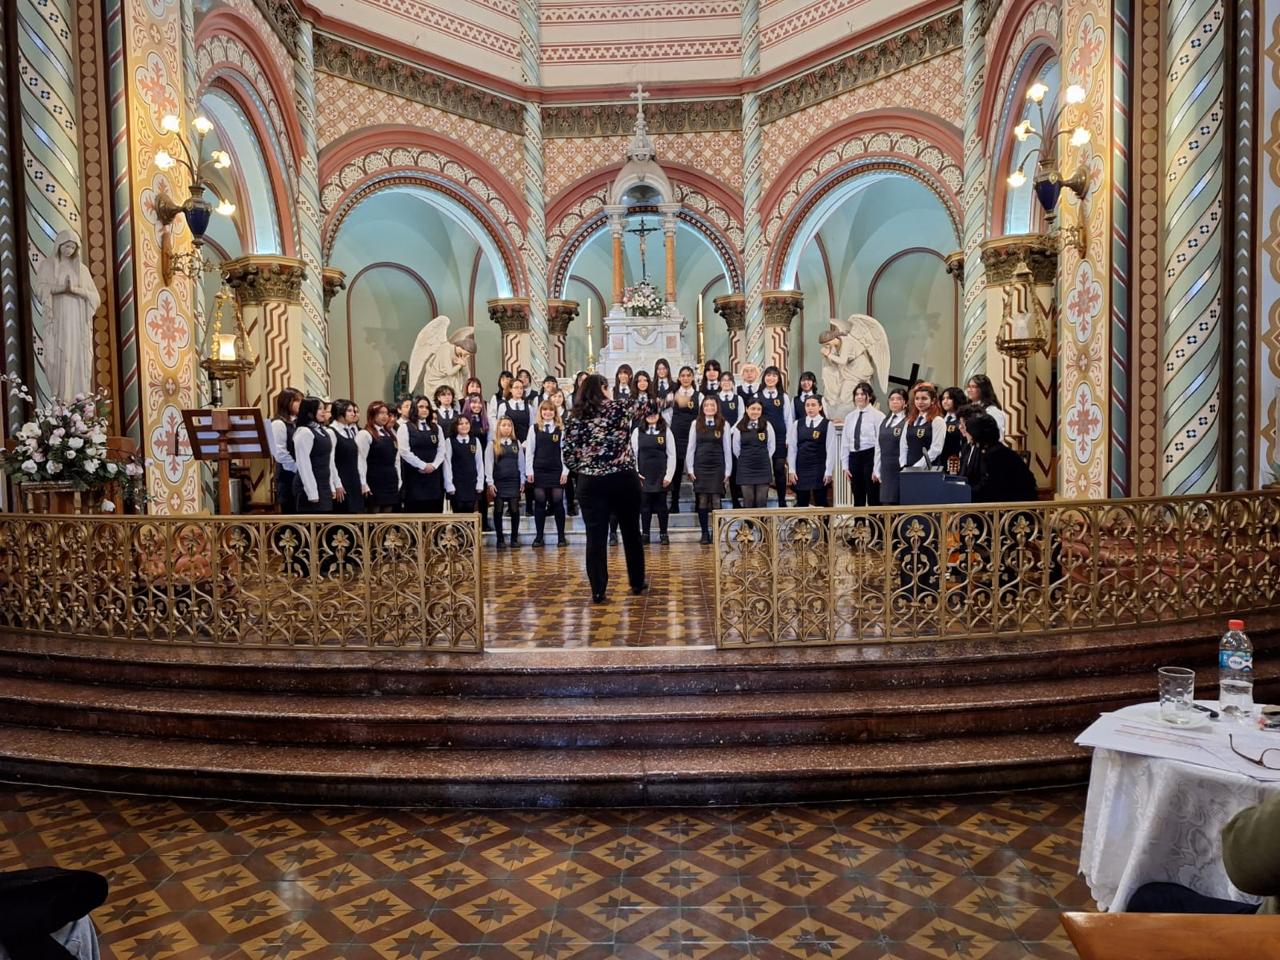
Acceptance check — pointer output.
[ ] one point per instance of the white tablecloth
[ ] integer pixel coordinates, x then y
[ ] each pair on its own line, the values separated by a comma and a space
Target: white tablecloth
1149, 820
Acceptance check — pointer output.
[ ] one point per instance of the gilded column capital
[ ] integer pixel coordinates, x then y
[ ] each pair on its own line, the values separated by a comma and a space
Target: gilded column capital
733, 307
334, 280
560, 314
511, 314
781, 307
1001, 256
261, 278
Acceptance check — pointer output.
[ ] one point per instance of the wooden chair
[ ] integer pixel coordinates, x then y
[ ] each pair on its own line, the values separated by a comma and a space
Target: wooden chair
1172, 936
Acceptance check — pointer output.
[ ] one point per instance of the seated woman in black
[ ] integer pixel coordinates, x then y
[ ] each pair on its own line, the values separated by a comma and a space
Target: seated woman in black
1002, 476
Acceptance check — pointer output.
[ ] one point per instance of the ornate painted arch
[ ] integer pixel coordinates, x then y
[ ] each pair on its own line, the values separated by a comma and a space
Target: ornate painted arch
355, 167
706, 205
920, 146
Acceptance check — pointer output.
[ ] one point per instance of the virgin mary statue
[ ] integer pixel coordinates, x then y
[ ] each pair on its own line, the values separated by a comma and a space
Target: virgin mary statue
68, 300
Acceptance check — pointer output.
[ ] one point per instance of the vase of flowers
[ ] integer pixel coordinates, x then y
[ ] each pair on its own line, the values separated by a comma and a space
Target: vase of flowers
643, 300
66, 446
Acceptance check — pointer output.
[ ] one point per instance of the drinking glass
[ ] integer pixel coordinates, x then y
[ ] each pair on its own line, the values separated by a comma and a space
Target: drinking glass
1177, 694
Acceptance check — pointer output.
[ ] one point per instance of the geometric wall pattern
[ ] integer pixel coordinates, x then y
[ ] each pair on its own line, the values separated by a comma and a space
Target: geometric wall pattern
1267, 371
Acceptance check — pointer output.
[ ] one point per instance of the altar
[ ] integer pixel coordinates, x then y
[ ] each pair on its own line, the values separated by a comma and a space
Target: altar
643, 340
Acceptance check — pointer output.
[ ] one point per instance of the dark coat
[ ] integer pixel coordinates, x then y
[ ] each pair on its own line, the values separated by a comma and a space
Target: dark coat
1003, 477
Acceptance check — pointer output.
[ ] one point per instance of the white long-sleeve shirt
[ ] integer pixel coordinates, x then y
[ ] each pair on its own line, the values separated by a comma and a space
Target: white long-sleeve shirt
937, 437
870, 436
364, 440
891, 419
530, 440
803, 423
278, 439
488, 458
670, 471
303, 440
999, 416
691, 450
449, 486
412, 459
772, 440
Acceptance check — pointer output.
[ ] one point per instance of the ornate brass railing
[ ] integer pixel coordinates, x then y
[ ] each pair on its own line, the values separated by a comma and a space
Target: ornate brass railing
409, 582
842, 575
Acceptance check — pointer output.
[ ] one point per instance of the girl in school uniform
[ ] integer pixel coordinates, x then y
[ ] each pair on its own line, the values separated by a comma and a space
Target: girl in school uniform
730, 409
316, 485
781, 415
750, 385
952, 399
887, 462
981, 391
710, 381
550, 387
346, 455
663, 382
379, 460
806, 387
500, 395
280, 436
446, 407
682, 413
525, 377
421, 444
811, 455
653, 445
622, 388
754, 444
926, 431
476, 411
520, 410
709, 461
858, 446
504, 470
463, 468
473, 385
545, 471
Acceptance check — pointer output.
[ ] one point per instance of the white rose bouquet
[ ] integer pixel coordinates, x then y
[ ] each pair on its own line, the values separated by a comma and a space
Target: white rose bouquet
68, 442
643, 300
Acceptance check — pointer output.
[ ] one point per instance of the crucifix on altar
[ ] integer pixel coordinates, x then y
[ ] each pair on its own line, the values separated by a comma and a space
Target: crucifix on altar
643, 231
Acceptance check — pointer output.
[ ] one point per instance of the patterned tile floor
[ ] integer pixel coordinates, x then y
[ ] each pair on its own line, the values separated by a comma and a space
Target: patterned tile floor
540, 598
911, 880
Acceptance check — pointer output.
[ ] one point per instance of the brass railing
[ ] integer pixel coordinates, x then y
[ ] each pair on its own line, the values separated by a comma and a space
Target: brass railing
409, 582
843, 575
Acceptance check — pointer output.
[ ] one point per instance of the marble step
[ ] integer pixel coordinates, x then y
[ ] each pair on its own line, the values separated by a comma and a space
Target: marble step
520, 777
620, 672
536, 723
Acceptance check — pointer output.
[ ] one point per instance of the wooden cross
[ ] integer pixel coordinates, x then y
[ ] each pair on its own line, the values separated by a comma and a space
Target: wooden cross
910, 381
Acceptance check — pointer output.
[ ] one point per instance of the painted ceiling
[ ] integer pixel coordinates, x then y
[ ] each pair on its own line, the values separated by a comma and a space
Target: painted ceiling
607, 42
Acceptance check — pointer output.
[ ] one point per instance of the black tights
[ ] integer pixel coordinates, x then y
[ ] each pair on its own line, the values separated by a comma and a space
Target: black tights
512, 506
651, 503
541, 497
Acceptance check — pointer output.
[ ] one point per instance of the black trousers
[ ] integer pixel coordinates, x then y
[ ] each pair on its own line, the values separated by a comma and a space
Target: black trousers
614, 494
424, 506
286, 500
464, 502
678, 479
866, 492
780, 476
651, 503
1175, 898
817, 498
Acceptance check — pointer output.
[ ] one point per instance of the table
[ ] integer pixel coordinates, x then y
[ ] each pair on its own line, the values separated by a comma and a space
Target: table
1148, 819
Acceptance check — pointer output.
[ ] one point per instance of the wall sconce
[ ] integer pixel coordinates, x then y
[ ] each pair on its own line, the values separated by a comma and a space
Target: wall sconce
228, 356
195, 208
1049, 181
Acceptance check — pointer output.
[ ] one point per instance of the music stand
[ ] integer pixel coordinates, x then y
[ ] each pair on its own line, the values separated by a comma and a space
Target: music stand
224, 434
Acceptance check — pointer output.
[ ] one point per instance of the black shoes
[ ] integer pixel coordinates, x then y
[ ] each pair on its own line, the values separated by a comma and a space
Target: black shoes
706, 538
640, 589
562, 542
515, 542
613, 539
538, 541
500, 543
648, 539
599, 598
573, 510
664, 539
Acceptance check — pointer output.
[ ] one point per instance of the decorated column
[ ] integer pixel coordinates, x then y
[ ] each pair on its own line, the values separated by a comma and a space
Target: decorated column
560, 314
511, 314
616, 214
780, 308
314, 337
668, 211
733, 307
268, 292
974, 335
535, 230
753, 246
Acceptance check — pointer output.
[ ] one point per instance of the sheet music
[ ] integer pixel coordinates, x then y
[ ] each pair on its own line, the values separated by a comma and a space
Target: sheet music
1205, 746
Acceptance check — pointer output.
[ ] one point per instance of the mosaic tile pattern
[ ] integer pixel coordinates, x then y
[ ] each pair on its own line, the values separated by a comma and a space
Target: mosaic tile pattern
915, 880
540, 598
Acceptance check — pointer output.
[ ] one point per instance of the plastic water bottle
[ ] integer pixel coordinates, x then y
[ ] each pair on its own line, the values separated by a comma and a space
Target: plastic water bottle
1235, 673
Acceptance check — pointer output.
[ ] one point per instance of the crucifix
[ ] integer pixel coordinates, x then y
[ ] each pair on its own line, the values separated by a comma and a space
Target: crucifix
642, 231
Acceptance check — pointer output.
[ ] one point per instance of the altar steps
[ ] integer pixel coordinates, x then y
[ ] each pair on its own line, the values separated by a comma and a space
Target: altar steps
615, 726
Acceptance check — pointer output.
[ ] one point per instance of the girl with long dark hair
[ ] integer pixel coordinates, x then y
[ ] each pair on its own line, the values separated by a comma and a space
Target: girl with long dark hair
781, 415
709, 461
982, 391
887, 462
281, 437
346, 455
684, 410
316, 484
421, 444
379, 462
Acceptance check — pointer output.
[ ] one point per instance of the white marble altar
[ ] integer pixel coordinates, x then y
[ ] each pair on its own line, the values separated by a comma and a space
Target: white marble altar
642, 341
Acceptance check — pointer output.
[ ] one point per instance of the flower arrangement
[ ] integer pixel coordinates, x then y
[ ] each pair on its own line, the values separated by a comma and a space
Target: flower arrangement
643, 300
67, 442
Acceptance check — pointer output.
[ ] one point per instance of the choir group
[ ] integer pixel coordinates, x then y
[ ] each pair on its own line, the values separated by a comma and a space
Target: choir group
724, 437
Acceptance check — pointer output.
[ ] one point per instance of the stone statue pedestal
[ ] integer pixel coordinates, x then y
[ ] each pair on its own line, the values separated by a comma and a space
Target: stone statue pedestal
642, 341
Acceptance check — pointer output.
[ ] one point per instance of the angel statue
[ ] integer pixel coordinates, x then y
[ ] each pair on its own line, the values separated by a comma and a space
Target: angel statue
68, 300
441, 359
853, 350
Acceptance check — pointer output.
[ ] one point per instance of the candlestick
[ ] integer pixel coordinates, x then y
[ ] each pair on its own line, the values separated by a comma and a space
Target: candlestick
591, 353
702, 349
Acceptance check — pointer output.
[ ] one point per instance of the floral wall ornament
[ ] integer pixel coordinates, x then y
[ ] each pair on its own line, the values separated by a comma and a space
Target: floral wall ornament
1084, 423
1084, 302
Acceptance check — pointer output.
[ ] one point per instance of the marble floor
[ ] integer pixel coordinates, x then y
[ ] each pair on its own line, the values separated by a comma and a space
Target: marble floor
539, 597
965, 878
